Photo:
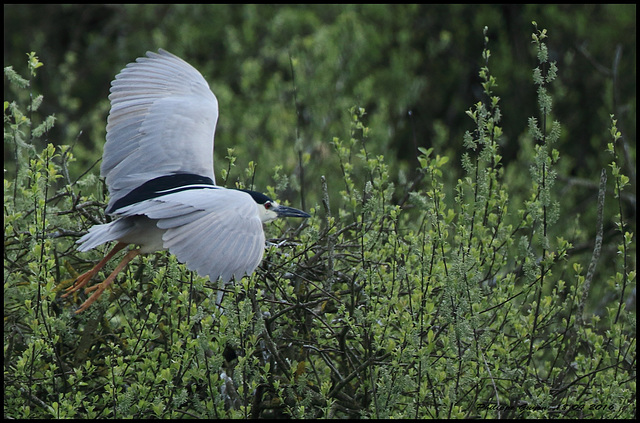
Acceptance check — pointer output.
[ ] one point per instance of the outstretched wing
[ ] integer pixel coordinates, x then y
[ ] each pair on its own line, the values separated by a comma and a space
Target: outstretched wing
216, 232
162, 121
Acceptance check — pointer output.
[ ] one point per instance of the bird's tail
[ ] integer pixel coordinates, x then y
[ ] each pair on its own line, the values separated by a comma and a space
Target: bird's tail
99, 234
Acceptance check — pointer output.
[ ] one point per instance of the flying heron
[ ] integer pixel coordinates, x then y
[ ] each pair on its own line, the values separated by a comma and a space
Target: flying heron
158, 166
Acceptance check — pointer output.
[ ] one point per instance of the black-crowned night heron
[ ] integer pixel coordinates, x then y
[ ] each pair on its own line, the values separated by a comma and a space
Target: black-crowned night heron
158, 165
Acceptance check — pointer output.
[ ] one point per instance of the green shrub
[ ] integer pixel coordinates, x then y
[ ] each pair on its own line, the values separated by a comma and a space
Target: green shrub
424, 300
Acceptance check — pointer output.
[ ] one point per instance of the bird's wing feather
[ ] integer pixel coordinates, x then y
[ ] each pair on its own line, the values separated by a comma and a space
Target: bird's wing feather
162, 120
215, 232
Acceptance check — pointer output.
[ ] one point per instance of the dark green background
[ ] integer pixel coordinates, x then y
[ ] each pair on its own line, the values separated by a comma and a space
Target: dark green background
389, 59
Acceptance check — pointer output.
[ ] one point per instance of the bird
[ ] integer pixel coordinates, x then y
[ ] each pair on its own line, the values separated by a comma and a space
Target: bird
158, 167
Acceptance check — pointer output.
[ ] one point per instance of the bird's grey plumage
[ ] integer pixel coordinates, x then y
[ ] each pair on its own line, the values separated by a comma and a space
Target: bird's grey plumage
162, 120
216, 232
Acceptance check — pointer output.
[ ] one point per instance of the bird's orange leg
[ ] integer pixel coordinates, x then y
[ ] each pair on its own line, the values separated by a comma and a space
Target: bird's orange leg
99, 288
84, 279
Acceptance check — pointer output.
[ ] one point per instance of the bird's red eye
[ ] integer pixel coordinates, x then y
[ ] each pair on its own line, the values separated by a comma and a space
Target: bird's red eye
267, 205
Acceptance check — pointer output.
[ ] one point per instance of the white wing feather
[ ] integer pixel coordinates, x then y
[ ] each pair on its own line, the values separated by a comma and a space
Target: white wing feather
162, 120
215, 232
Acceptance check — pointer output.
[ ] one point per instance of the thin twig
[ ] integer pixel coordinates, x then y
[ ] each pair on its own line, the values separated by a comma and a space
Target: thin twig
596, 249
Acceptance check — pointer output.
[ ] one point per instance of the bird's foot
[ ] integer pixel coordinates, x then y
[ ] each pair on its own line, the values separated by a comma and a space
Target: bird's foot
99, 288
80, 282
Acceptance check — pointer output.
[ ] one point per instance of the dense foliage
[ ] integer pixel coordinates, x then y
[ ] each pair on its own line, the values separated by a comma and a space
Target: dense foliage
472, 246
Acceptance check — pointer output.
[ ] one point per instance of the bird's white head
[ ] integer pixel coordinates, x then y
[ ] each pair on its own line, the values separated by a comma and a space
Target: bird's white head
269, 210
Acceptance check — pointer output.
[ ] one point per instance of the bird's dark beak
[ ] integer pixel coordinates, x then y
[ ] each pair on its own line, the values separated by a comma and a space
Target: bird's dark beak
284, 211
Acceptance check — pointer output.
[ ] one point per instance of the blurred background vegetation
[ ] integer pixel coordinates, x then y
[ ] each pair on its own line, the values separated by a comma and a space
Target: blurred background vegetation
287, 78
